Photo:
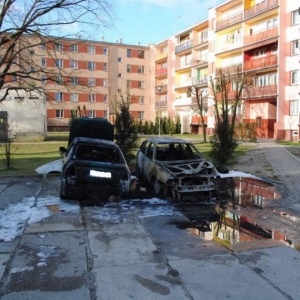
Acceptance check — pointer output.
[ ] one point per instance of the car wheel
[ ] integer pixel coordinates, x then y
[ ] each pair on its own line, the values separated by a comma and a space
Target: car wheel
157, 186
62, 191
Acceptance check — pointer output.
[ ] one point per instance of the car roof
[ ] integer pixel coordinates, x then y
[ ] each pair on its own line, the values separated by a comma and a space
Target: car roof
93, 141
166, 140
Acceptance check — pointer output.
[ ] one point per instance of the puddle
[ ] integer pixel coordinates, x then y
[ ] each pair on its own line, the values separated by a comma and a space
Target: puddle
238, 217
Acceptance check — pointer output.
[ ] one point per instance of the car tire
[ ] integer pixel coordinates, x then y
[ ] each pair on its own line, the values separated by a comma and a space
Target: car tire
62, 191
157, 186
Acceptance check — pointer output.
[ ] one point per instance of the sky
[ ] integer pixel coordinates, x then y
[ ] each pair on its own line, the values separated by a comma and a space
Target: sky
147, 22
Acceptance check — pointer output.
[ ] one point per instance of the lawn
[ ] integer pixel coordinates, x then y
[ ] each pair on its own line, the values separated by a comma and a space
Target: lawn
26, 157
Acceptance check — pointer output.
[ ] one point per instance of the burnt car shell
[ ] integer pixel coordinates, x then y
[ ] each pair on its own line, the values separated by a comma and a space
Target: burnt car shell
94, 168
181, 172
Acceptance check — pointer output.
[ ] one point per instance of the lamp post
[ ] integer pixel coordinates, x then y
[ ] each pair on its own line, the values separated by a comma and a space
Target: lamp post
159, 116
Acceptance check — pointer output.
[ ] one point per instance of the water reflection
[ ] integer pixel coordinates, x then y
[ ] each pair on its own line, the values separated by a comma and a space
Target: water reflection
232, 219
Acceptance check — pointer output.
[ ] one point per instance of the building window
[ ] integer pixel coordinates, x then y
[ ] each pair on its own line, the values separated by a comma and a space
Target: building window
128, 68
119, 59
295, 47
119, 75
104, 98
260, 53
91, 65
59, 113
258, 122
58, 79
91, 49
43, 46
58, 96
141, 69
266, 80
92, 98
32, 69
141, 54
59, 63
14, 78
105, 51
105, 82
91, 114
74, 64
59, 47
128, 84
43, 79
104, 66
73, 81
141, 99
294, 108
141, 84
105, 114
74, 97
43, 62
294, 77
140, 114
295, 17
74, 48
91, 81
128, 52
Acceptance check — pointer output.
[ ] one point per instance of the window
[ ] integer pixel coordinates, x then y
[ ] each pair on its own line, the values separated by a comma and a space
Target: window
260, 53
43, 62
105, 98
31, 52
91, 49
141, 84
141, 99
266, 80
294, 77
32, 69
274, 49
203, 35
92, 98
91, 114
105, 114
14, 78
104, 66
141, 69
43, 79
295, 18
74, 48
104, 82
105, 51
295, 47
58, 79
74, 64
119, 59
59, 96
59, 47
140, 114
128, 52
59, 113
74, 97
91, 65
43, 46
59, 63
128, 84
294, 108
74, 81
141, 54
258, 122
91, 81
119, 75
128, 68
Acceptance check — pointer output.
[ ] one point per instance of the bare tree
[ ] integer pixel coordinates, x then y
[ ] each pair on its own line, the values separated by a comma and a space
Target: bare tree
227, 88
27, 25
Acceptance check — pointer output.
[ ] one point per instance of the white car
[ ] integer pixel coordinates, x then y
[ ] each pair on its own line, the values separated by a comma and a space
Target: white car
175, 167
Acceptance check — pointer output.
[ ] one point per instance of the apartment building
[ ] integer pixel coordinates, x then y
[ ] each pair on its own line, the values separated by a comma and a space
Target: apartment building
258, 37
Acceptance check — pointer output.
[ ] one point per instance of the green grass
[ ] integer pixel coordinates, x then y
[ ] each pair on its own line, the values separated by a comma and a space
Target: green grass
26, 157
289, 143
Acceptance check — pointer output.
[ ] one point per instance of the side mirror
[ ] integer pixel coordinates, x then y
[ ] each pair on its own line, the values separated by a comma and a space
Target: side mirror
62, 150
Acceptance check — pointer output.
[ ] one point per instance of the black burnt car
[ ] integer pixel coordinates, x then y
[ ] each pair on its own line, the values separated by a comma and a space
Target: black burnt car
174, 167
94, 168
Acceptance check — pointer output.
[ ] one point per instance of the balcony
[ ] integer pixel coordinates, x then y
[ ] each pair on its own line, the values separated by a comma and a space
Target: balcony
161, 104
200, 80
184, 46
199, 41
260, 63
261, 36
160, 89
260, 8
229, 21
260, 91
161, 56
201, 60
183, 83
183, 65
230, 69
161, 72
187, 101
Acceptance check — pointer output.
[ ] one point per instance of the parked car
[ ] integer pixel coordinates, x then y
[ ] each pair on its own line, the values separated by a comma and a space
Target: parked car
175, 167
94, 168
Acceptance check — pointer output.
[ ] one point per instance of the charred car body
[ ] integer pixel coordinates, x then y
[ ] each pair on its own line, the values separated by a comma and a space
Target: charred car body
93, 167
176, 168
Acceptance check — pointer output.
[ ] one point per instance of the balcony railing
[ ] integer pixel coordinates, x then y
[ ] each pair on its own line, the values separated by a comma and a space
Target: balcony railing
161, 104
161, 56
260, 91
260, 8
200, 80
260, 63
183, 65
230, 69
261, 36
199, 41
161, 88
184, 46
226, 22
183, 101
183, 83
161, 72
201, 60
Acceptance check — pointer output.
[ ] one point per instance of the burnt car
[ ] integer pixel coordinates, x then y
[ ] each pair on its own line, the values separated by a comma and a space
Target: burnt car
94, 168
174, 167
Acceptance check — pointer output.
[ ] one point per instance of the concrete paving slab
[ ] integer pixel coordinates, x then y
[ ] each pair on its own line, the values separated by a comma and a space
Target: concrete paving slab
223, 277
4, 258
139, 281
50, 266
280, 266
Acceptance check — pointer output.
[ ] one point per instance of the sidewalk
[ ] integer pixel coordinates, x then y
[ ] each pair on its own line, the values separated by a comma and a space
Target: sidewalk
287, 168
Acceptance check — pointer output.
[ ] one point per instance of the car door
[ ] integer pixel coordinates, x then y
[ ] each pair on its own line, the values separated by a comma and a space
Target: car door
147, 160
